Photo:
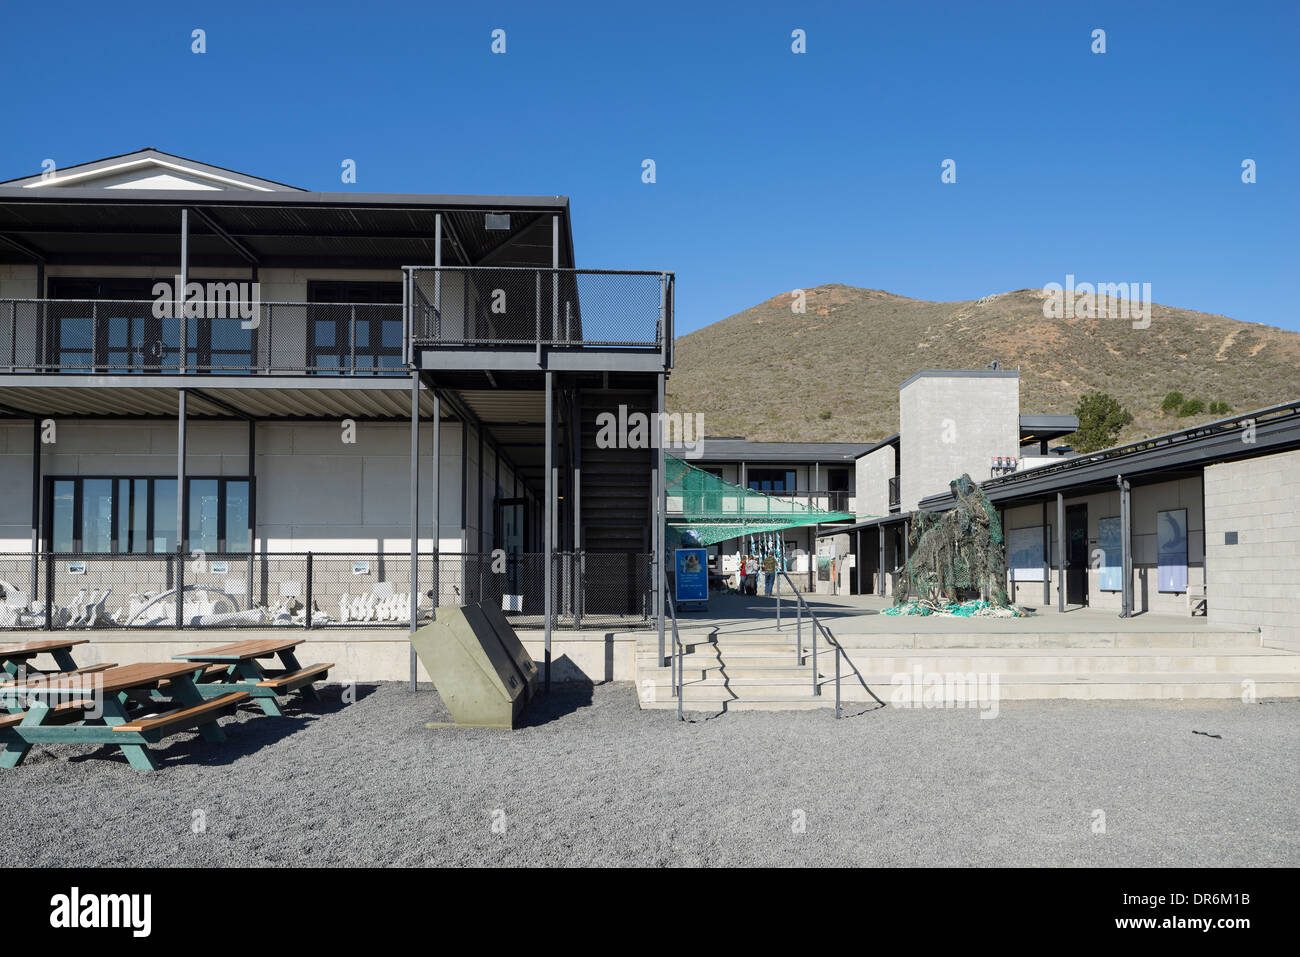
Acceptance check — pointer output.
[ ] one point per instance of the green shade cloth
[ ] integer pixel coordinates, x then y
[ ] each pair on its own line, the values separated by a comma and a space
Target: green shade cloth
718, 510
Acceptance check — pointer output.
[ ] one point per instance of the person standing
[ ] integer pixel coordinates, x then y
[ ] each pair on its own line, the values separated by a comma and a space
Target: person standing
769, 573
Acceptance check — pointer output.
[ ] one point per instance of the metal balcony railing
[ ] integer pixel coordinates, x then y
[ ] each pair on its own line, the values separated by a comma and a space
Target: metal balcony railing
486, 306
147, 336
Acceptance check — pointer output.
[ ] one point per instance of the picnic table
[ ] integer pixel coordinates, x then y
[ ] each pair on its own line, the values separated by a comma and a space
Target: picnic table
92, 709
14, 657
236, 667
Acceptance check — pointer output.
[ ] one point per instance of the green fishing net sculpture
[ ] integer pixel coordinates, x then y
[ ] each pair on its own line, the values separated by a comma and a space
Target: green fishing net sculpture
962, 549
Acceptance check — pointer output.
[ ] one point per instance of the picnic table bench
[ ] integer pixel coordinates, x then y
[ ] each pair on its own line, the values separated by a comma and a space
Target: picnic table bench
235, 667
91, 708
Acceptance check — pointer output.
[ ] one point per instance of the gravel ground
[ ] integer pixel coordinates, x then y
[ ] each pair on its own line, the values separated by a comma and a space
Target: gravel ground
594, 780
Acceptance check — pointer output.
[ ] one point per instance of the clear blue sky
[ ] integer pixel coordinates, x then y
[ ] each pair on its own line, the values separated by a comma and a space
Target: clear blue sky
775, 170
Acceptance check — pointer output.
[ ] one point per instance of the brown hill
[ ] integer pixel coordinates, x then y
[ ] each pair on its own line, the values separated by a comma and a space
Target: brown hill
832, 373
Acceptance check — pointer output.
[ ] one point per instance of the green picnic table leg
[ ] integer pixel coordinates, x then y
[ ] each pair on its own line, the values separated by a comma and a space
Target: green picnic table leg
137, 755
63, 658
249, 670
15, 751
290, 662
189, 695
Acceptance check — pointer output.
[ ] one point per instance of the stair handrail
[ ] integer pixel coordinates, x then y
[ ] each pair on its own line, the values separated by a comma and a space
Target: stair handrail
677, 664
800, 605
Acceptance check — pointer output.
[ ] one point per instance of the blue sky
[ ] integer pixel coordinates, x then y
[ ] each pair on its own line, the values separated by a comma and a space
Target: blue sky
774, 170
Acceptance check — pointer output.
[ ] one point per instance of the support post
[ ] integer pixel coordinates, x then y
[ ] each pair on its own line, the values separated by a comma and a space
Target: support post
181, 497
1125, 549
1060, 552
880, 568
548, 525
579, 560
435, 577
1047, 558
661, 514
415, 514
36, 506
252, 508
183, 358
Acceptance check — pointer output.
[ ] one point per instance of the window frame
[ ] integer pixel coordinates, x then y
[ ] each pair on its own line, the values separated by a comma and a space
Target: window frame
78, 500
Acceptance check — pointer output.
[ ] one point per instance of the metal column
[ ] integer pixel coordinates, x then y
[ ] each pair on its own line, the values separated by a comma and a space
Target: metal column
181, 497
579, 562
660, 519
548, 526
36, 505
1047, 558
435, 582
1125, 549
415, 512
1060, 551
183, 358
880, 569
252, 506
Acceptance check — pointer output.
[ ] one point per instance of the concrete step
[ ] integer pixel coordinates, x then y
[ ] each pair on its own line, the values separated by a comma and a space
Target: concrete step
716, 705
711, 697
904, 637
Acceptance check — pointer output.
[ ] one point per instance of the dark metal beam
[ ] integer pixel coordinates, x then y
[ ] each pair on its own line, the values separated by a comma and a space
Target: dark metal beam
235, 244
29, 251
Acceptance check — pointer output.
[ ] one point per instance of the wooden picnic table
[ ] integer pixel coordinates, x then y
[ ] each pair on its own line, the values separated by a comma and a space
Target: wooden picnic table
236, 667
92, 709
14, 657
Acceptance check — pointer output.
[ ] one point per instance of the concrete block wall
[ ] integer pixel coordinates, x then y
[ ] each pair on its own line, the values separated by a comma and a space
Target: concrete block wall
314, 492
952, 422
1255, 582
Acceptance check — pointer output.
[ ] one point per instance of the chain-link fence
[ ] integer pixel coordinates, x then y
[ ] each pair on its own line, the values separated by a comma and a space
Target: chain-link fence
484, 305
93, 335
343, 590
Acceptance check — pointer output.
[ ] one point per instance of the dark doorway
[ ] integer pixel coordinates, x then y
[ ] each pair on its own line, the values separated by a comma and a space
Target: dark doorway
1076, 554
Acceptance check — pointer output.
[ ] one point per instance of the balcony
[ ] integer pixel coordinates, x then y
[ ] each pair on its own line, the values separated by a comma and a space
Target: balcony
143, 336
895, 496
465, 314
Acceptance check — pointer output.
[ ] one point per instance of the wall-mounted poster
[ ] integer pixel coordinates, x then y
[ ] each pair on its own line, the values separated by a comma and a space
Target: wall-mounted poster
692, 578
1025, 553
1171, 550
1110, 576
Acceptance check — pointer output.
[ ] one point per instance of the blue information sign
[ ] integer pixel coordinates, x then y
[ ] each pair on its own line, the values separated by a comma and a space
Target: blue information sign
692, 578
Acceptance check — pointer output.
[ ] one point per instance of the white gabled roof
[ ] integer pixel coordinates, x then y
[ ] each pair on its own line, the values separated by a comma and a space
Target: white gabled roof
149, 169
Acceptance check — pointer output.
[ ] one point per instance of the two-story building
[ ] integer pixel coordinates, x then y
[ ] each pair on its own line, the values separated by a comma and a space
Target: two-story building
228, 402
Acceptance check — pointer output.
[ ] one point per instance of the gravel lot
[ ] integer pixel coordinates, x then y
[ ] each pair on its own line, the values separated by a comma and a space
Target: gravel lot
594, 780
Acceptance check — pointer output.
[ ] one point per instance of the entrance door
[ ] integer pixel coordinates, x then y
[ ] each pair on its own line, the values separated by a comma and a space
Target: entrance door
511, 522
1076, 554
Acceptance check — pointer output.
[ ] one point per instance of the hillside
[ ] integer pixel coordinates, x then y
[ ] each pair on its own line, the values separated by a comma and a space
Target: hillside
832, 374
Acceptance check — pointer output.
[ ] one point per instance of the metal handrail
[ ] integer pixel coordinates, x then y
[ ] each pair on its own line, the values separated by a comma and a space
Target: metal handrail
800, 604
678, 679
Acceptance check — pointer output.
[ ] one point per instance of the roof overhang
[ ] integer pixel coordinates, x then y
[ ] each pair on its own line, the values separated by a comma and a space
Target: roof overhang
290, 228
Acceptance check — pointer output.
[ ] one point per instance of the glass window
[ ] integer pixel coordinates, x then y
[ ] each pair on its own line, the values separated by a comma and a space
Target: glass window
133, 515
237, 532
63, 504
97, 515
164, 515
138, 515
204, 533
771, 480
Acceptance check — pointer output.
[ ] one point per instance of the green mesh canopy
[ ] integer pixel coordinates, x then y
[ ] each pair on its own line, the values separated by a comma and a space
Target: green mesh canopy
718, 510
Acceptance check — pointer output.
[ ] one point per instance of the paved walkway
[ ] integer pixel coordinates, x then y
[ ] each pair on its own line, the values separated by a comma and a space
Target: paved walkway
860, 615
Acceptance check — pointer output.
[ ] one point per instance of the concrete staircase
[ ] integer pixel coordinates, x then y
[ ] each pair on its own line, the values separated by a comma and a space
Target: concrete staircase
757, 670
